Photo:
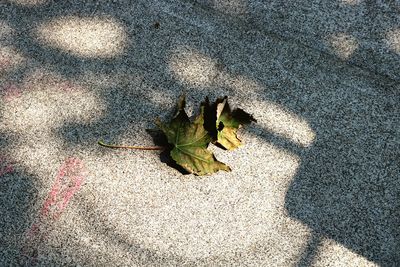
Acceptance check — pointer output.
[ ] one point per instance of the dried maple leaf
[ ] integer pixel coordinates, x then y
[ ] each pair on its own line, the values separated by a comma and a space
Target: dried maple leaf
223, 124
190, 141
185, 141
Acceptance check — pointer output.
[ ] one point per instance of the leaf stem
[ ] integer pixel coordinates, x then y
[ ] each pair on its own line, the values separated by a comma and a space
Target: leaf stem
101, 142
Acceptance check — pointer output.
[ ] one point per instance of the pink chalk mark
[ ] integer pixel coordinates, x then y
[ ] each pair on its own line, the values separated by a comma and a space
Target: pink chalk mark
33, 231
11, 92
68, 86
6, 166
10, 168
29, 249
4, 63
68, 181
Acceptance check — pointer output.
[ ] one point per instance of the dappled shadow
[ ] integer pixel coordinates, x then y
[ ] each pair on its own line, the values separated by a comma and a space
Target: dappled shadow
19, 199
349, 191
338, 120
366, 29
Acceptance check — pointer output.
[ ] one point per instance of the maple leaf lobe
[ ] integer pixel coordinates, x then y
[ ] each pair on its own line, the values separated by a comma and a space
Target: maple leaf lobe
190, 141
226, 123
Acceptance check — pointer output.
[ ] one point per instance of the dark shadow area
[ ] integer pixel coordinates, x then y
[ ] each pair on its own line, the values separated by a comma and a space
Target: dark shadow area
18, 198
18, 201
366, 27
310, 251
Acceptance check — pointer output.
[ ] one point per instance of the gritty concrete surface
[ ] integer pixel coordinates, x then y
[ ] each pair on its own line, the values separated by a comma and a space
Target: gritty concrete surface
316, 183
363, 33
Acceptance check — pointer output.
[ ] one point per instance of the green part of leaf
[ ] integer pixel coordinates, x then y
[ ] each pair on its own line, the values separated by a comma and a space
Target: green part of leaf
228, 122
190, 141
